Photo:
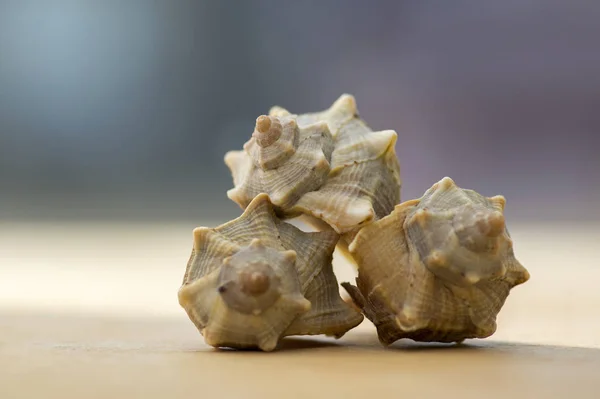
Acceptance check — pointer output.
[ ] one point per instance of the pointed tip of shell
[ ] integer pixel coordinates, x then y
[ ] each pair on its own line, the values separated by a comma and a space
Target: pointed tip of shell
257, 201
198, 234
494, 224
229, 157
499, 201
436, 259
387, 138
187, 293
256, 243
358, 215
446, 183
321, 164
346, 103
236, 195
522, 274
268, 345
184, 297
290, 256
208, 338
302, 304
279, 111
233, 158
472, 278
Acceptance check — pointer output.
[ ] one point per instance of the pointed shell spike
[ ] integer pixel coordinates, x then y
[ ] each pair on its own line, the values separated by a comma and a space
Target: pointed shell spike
290, 256
447, 183
346, 102
495, 224
279, 111
498, 200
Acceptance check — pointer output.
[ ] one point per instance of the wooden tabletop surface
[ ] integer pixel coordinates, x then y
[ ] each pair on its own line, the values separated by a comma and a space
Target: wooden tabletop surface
89, 310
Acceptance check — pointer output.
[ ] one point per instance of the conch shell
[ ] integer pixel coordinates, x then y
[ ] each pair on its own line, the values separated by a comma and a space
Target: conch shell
346, 177
438, 268
256, 279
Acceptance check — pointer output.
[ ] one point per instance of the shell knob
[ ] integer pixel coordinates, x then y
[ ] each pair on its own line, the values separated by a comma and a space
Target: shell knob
493, 225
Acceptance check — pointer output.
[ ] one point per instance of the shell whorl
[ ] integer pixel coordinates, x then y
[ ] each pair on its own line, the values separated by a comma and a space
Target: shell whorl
273, 142
255, 282
459, 235
267, 131
251, 280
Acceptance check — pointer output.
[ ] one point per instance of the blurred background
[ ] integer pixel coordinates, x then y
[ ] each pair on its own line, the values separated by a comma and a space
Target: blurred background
115, 116
124, 109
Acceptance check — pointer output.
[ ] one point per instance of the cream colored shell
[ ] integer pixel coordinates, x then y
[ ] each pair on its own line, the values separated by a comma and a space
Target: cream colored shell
347, 177
281, 160
256, 279
438, 268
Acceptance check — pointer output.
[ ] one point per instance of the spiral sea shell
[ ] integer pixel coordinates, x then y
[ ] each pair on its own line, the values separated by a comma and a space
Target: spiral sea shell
256, 279
438, 268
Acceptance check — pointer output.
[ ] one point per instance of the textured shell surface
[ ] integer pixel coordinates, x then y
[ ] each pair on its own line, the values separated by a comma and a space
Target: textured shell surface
438, 268
256, 279
364, 179
282, 160
328, 165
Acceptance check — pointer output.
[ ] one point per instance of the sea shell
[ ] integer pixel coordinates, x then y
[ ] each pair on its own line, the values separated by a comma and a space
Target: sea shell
438, 268
346, 177
281, 160
256, 279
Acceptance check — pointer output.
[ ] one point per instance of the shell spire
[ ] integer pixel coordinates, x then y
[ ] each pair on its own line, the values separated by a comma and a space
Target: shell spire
267, 130
282, 160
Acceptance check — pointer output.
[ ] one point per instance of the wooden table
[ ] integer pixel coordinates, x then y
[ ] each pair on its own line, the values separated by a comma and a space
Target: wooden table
89, 310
